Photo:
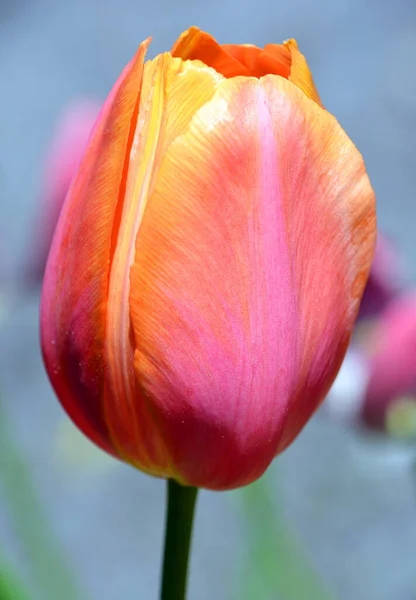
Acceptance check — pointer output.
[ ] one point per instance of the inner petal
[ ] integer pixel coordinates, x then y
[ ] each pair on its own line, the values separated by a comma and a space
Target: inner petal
233, 60
275, 59
195, 44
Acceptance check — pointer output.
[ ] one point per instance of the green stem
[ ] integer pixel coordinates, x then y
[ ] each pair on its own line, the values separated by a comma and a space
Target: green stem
179, 519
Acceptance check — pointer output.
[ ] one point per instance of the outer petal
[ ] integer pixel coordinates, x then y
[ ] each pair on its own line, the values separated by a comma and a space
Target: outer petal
331, 213
300, 74
172, 91
251, 259
74, 299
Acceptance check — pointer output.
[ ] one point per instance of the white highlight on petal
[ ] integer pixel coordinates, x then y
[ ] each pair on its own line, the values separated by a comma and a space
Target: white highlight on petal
214, 113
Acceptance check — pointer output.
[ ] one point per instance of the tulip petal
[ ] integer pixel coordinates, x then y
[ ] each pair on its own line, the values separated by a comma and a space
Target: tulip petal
172, 91
260, 62
195, 44
233, 60
253, 252
73, 311
332, 215
300, 74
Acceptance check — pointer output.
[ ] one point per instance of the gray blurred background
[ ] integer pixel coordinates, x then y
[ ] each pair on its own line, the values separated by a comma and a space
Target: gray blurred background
353, 510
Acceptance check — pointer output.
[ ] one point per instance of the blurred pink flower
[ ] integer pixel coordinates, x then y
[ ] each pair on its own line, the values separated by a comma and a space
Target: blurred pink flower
346, 396
385, 280
64, 154
390, 398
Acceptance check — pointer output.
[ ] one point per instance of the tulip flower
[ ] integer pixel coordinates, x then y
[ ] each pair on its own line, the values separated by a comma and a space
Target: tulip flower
390, 399
208, 263
384, 282
65, 152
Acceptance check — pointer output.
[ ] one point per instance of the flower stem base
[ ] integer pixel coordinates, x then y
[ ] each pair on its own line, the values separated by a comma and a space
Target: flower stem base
179, 520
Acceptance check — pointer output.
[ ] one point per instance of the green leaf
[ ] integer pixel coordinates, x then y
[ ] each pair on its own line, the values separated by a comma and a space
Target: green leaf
48, 567
11, 587
276, 566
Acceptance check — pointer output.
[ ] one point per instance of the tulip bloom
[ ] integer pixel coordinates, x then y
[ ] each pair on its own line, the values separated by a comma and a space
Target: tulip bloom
208, 264
64, 155
390, 399
384, 282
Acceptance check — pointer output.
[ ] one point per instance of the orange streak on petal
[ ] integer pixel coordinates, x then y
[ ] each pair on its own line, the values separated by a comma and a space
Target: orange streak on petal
74, 298
172, 91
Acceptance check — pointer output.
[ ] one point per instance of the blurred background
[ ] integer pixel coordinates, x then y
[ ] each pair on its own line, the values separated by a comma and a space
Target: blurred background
335, 517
